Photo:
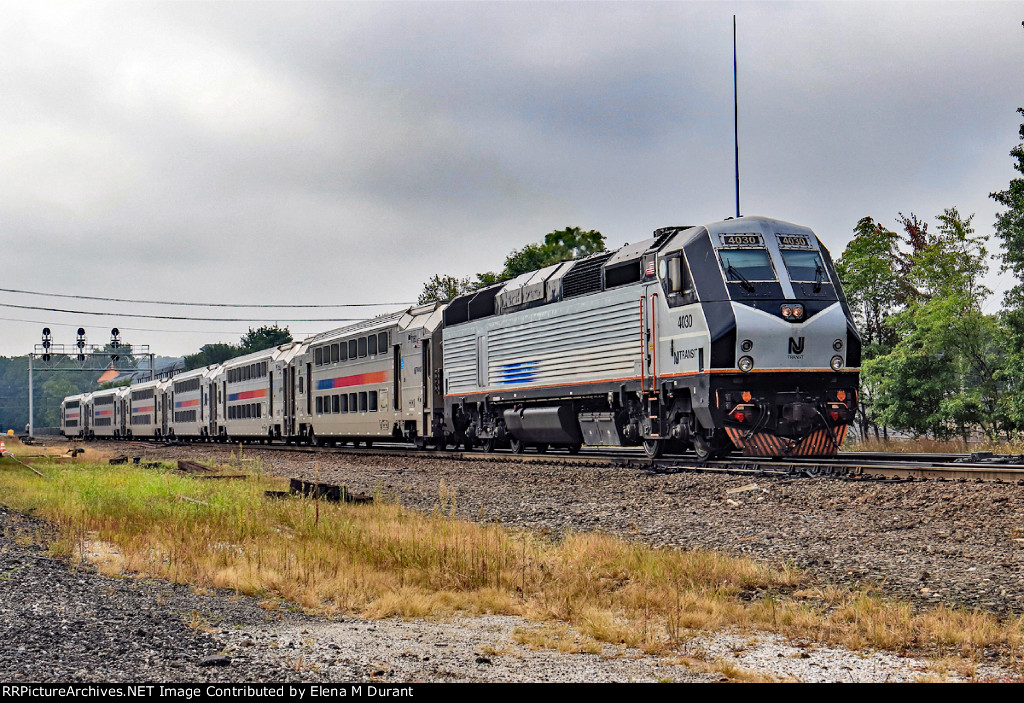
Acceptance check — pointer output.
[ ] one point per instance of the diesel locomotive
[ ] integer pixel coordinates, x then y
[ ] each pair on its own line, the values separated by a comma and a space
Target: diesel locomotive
729, 337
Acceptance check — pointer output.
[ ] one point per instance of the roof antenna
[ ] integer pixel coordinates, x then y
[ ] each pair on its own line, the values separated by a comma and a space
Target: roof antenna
735, 116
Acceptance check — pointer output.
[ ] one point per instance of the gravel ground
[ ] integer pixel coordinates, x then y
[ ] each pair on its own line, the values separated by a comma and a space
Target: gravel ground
935, 542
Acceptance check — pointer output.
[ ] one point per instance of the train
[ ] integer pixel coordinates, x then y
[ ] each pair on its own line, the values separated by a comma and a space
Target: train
729, 337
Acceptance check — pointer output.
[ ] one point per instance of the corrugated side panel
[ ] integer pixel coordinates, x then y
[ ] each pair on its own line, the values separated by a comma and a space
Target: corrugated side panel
595, 345
460, 364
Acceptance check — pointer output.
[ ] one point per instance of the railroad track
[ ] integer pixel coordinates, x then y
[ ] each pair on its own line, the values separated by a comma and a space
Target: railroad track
982, 467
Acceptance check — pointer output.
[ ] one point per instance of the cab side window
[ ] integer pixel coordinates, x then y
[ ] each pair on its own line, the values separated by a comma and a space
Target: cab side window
676, 281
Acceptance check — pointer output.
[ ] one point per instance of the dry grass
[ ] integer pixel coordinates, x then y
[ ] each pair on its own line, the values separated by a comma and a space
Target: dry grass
924, 445
721, 667
559, 637
383, 560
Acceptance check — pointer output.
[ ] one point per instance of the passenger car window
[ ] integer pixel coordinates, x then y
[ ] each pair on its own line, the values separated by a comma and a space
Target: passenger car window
371, 343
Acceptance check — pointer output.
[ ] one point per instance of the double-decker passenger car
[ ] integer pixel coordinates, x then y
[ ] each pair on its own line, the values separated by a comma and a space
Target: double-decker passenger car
108, 412
147, 410
372, 381
74, 416
247, 396
187, 404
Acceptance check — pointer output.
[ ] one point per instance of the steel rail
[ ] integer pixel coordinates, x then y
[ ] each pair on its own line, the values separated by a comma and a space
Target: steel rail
848, 465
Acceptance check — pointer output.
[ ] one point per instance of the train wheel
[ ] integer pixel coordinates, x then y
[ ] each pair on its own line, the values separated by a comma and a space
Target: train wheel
714, 448
517, 446
575, 448
654, 448
489, 445
542, 448
703, 448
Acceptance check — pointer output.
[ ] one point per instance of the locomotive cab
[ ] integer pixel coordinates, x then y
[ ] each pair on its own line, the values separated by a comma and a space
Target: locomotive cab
783, 354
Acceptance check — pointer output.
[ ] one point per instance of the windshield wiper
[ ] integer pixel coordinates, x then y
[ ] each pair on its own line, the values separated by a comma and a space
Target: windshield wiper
819, 277
743, 279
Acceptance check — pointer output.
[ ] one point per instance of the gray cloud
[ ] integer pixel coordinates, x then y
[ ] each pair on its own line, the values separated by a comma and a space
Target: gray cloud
343, 152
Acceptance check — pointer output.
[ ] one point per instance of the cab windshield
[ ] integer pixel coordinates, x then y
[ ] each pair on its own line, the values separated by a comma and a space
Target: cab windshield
746, 265
805, 266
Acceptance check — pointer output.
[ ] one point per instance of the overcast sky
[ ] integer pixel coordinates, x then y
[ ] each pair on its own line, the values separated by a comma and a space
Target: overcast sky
327, 153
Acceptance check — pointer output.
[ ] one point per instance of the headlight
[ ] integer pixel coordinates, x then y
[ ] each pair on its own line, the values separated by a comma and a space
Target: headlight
837, 363
837, 345
746, 345
746, 364
792, 312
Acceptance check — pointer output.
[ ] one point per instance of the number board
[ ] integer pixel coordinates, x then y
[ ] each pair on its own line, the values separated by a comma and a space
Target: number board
741, 240
793, 241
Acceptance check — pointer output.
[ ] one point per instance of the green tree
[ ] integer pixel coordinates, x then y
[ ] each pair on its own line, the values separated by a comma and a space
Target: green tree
441, 288
1009, 228
54, 390
942, 376
215, 353
869, 269
872, 283
265, 337
559, 245
1009, 224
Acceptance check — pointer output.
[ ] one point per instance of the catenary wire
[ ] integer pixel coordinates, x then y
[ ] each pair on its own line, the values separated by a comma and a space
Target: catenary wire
204, 305
297, 335
182, 317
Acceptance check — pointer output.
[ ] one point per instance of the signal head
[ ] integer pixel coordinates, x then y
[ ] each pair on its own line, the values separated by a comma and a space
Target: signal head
81, 331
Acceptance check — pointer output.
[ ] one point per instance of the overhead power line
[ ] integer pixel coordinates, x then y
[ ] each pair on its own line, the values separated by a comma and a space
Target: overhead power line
201, 305
298, 335
182, 317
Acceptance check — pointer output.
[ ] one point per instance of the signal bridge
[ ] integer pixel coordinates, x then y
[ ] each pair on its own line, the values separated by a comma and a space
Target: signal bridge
81, 356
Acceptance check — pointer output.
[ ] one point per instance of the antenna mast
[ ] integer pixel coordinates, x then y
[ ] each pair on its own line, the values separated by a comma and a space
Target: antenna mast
735, 116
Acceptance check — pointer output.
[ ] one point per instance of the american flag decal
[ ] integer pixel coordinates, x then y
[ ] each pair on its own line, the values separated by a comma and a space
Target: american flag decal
650, 268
